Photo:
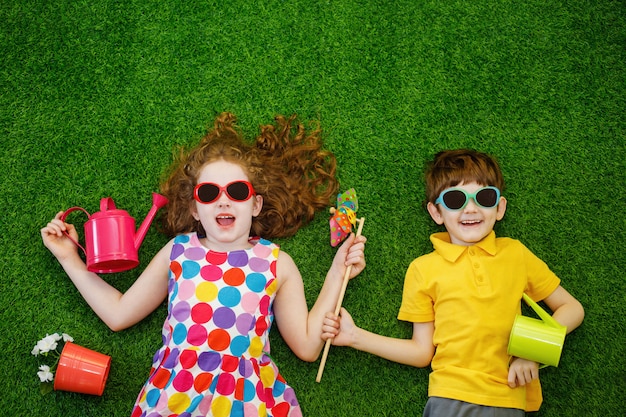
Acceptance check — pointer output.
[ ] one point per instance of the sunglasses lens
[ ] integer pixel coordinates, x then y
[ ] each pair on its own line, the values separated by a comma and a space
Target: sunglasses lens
454, 199
487, 197
208, 192
239, 191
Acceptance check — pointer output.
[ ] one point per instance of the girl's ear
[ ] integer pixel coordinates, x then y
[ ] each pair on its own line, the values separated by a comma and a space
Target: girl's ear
194, 212
433, 210
501, 209
258, 205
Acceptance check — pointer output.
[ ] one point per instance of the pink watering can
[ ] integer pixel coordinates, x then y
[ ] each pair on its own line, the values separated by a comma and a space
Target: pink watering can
111, 243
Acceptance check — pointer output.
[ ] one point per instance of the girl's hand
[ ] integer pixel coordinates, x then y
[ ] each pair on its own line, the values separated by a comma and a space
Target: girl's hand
351, 252
340, 329
56, 241
522, 372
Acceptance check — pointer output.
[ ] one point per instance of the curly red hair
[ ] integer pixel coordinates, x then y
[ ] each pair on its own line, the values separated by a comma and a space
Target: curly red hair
286, 165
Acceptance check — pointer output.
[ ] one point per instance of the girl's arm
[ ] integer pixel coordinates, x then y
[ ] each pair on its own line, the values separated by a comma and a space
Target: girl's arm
301, 329
417, 351
117, 310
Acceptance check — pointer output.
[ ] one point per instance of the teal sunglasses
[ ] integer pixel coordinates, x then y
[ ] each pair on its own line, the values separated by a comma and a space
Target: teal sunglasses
455, 199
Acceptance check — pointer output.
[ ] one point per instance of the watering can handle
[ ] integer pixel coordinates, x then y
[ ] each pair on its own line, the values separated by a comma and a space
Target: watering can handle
64, 216
106, 203
547, 318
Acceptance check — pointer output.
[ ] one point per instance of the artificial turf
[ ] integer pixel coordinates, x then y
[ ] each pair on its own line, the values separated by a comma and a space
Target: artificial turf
96, 95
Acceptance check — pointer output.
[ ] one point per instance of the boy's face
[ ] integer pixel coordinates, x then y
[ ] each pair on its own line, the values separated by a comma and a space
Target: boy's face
470, 224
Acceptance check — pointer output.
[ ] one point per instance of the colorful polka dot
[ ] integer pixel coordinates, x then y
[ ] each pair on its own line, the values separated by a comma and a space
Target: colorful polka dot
259, 265
202, 381
186, 289
180, 333
219, 340
224, 318
197, 335
250, 302
237, 258
188, 359
183, 381
229, 296
239, 345
256, 282
181, 311
190, 269
178, 402
245, 323
209, 361
194, 254
215, 335
211, 273
201, 313
216, 258
221, 407
206, 292
176, 269
234, 277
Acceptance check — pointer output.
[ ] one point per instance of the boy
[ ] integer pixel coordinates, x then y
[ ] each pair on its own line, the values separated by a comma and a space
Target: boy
462, 298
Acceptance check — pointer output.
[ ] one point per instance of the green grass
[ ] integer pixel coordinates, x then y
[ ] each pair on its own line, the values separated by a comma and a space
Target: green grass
95, 95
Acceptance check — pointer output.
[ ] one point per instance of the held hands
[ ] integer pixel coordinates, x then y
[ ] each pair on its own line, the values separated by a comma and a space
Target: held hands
522, 372
341, 329
56, 241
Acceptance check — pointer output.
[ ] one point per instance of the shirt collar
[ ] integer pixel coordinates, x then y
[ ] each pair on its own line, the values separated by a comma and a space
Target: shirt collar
451, 252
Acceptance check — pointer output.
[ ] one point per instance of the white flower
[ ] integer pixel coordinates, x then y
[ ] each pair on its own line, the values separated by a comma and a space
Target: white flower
50, 346
44, 374
48, 343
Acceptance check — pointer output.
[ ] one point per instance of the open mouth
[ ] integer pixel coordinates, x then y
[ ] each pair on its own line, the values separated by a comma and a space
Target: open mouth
225, 220
470, 222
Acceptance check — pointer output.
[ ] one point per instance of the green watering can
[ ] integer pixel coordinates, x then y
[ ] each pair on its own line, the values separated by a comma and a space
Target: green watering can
537, 340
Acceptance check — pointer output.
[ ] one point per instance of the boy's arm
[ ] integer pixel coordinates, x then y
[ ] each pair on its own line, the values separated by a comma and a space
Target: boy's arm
417, 351
566, 309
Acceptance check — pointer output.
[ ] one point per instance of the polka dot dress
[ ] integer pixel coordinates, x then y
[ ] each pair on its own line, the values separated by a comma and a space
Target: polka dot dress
213, 361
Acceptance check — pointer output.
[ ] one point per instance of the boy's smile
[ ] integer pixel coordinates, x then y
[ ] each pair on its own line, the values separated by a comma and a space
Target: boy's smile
470, 224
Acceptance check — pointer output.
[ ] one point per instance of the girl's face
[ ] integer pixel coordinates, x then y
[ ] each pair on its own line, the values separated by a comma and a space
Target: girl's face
227, 222
472, 223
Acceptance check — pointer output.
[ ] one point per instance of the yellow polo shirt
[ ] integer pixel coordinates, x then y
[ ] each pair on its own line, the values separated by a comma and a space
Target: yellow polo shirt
473, 293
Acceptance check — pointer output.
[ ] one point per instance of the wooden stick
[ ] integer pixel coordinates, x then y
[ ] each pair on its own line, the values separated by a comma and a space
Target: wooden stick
342, 293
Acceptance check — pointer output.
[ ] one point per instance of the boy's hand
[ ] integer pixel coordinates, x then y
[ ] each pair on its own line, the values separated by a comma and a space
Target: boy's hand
339, 328
522, 371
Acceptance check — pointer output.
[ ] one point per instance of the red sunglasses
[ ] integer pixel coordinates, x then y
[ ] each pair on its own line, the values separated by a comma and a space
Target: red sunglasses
208, 192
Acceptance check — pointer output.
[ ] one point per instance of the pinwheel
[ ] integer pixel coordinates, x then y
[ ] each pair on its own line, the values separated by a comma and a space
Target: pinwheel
343, 217
342, 222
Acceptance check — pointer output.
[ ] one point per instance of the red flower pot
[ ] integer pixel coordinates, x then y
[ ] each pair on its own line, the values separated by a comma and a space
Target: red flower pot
81, 370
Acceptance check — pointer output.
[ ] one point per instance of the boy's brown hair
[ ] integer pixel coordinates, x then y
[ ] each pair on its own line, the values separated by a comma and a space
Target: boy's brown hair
452, 167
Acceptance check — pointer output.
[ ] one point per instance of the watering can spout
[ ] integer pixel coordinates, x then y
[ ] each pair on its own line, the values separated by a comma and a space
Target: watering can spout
158, 201
545, 317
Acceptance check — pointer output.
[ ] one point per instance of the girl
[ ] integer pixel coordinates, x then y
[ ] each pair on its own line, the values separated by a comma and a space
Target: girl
224, 285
